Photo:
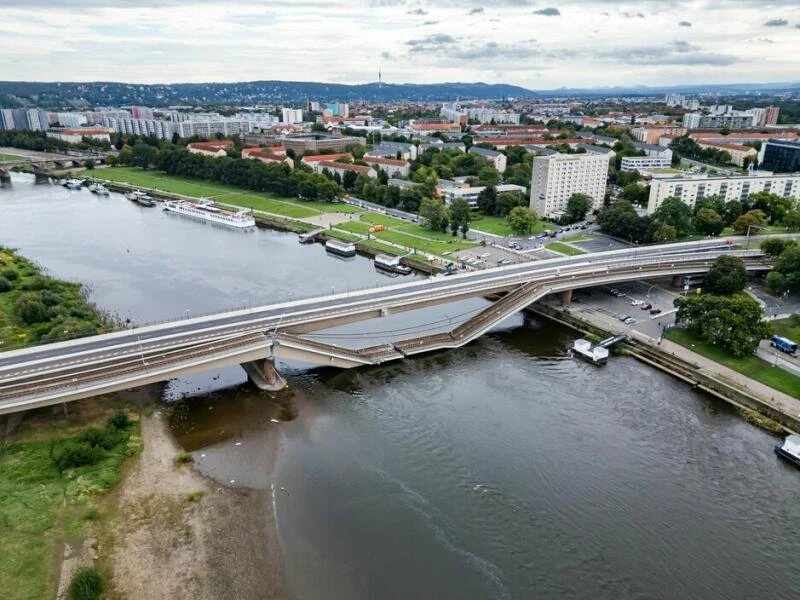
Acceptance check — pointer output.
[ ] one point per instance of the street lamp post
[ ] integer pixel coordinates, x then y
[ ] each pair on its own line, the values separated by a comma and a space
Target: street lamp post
749, 227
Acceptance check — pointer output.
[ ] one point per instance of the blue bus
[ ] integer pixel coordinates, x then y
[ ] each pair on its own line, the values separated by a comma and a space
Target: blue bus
782, 344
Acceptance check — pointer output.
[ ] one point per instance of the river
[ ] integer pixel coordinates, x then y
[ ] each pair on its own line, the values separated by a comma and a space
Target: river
499, 470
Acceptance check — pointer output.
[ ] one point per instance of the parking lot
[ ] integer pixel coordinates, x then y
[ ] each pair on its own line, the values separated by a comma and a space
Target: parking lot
600, 243
599, 300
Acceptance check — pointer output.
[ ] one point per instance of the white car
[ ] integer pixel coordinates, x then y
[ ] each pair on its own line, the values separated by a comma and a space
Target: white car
636, 302
630, 321
486, 255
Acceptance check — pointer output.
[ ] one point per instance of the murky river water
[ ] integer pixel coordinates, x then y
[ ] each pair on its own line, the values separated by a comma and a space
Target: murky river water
500, 470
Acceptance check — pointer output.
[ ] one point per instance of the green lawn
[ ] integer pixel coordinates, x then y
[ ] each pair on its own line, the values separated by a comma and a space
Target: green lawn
42, 505
342, 235
788, 329
385, 248
499, 225
5, 157
355, 226
751, 366
578, 237
424, 245
289, 207
379, 219
564, 249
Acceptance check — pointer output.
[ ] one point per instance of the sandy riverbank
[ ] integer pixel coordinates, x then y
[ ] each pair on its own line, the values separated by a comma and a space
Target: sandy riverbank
165, 545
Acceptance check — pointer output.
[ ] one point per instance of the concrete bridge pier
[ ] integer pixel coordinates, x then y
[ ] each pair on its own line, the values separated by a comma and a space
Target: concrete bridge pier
263, 374
42, 176
5, 176
677, 281
566, 297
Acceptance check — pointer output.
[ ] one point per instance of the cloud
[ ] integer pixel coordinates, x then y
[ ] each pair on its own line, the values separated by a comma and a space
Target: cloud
776, 23
673, 53
431, 43
547, 12
631, 15
476, 11
417, 11
386, 55
684, 24
430, 22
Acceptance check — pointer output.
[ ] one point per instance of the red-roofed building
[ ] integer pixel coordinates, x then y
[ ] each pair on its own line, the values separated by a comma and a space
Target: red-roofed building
390, 165
342, 168
266, 155
215, 148
738, 152
315, 158
503, 142
75, 136
435, 127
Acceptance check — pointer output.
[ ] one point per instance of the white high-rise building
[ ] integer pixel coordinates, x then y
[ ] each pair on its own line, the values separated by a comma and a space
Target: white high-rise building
557, 176
71, 119
38, 120
690, 189
291, 115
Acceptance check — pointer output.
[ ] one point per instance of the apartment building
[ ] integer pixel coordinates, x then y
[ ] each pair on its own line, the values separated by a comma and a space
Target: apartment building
216, 148
780, 156
734, 120
343, 168
291, 115
690, 189
158, 128
392, 166
644, 163
558, 176
470, 194
75, 136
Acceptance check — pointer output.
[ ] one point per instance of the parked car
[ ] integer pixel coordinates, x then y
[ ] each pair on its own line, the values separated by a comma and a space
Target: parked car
624, 318
486, 255
630, 321
613, 291
655, 311
646, 306
636, 302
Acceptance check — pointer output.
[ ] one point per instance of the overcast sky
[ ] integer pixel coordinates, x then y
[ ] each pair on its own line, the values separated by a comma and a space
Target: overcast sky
538, 44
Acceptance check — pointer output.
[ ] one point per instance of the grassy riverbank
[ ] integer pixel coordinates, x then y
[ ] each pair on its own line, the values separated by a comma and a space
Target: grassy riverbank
750, 366
7, 157
35, 308
54, 473
236, 196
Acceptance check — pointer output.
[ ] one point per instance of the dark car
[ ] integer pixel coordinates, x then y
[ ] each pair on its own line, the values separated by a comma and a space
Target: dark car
655, 311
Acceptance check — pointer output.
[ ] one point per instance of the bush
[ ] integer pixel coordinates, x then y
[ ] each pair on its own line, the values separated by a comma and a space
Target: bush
34, 283
86, 584
120, 420
183, 458
102, 438
30, 309
5, 284
10, 274
72, 453
194, 496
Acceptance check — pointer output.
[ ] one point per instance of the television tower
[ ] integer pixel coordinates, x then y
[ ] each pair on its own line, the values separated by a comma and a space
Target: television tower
380, 81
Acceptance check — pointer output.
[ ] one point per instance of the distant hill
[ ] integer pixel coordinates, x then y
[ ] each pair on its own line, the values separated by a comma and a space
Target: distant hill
82, 95
65, 94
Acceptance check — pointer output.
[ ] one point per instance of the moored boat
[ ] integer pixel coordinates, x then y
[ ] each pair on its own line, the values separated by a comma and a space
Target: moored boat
203, 211
790, 449
140, 198
391, 264
340, 248
99, 189
73, 184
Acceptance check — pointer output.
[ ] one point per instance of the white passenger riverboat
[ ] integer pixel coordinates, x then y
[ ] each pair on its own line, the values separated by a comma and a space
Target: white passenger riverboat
204, 211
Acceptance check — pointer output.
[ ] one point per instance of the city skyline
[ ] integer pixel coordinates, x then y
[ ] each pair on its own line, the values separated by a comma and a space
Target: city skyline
536, 45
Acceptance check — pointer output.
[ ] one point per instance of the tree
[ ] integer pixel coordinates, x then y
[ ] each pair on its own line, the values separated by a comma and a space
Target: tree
434, 213
708, 221
775, 246
522, 220
792, 219
142, 155
732, 211
664, 233
635, 194
674, 212
30, 309
349, 179
788, 265
488, 176
749, 219
460, 216
506, 202
730, 322
726, 276
776, 282
577, 207
487, 200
